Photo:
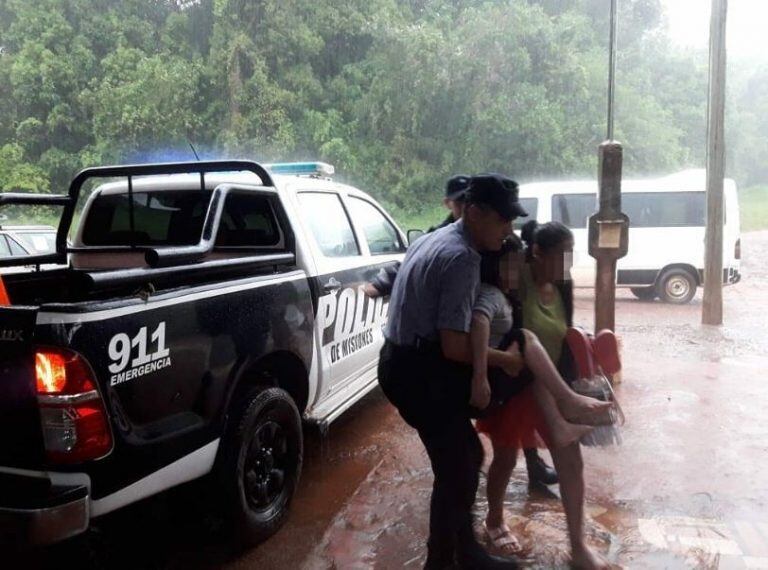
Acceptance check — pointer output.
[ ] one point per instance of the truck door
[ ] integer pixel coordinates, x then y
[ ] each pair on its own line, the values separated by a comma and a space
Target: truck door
349, 324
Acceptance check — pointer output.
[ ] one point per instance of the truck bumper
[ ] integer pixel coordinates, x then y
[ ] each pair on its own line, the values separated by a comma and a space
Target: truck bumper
34, 511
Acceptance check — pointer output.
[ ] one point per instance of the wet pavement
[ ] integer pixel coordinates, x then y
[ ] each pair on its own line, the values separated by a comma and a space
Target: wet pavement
687, 489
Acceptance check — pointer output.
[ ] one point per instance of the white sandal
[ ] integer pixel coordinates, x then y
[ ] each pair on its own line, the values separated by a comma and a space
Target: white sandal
501, 537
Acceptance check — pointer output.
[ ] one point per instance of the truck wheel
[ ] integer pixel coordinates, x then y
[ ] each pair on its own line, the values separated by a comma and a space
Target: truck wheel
260, 463
676, 286
644, 293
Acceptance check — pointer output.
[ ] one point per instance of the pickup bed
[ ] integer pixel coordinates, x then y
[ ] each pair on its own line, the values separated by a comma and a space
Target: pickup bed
205, 310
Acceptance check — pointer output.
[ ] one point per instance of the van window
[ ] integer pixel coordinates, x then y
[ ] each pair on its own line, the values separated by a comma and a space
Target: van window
665, 209
329, 224
573, 210
168, 217
530, 205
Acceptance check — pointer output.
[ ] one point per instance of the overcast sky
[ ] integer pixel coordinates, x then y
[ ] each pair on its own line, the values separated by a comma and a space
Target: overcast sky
747, 33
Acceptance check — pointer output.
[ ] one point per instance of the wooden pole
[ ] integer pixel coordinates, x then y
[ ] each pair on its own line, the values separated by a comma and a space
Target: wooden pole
608, 228
608, 231
712, 309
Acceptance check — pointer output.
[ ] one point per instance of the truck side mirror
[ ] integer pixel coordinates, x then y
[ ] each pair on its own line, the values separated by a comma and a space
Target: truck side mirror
413, 235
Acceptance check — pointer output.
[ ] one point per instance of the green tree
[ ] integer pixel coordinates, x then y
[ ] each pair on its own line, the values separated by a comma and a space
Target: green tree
17, 174
398, 94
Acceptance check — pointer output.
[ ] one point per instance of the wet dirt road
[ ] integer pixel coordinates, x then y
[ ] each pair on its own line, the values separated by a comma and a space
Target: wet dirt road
688, 488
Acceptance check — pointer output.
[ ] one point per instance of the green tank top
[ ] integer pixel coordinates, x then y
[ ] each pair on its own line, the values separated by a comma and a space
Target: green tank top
547, 322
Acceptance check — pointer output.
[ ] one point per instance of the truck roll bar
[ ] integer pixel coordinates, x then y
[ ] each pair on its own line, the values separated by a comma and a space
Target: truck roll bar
69, 201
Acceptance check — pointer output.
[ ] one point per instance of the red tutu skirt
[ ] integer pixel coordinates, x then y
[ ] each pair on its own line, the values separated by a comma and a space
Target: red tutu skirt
517, 424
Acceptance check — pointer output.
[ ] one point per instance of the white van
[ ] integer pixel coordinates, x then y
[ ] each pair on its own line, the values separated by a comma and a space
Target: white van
666, 235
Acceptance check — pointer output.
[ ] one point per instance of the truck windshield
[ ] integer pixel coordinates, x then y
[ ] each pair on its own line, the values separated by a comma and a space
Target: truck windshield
168, 217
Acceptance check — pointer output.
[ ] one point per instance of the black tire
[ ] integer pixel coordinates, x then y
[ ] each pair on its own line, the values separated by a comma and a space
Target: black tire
644, 293
260, 463
676, 286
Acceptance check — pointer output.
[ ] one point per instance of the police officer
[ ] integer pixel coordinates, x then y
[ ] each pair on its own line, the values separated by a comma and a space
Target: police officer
382, 284
455, 189
539, 473
424, 366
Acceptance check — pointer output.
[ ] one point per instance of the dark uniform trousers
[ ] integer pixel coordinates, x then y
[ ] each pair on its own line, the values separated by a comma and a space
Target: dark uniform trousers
432, 395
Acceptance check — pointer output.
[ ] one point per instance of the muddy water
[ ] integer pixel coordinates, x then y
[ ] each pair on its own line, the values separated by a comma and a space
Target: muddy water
688, 489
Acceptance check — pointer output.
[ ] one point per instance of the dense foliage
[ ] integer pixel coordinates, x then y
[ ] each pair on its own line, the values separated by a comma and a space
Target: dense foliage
398, 94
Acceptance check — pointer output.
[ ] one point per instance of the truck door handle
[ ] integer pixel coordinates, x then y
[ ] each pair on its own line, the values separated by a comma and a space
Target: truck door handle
332, 285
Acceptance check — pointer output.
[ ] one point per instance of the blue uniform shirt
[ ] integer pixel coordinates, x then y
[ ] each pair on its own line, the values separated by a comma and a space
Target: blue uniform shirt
435, 287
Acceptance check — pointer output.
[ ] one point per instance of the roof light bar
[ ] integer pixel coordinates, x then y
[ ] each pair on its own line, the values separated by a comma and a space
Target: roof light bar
301, 168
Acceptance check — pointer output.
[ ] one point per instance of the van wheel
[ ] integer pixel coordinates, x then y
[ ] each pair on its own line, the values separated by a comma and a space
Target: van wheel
644, 293
676, 286
260, 464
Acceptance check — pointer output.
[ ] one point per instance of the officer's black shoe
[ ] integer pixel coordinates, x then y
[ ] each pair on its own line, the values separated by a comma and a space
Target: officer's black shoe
475, 558
539, 473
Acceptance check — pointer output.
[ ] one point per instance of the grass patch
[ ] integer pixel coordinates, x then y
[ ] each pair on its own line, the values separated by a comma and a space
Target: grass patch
419, 220
753, 203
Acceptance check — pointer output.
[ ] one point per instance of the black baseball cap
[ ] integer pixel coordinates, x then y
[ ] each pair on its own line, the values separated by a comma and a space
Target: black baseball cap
456, 187
498, 192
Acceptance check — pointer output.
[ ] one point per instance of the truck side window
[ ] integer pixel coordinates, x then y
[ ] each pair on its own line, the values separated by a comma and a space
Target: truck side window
329, 224
381, 235
248, 221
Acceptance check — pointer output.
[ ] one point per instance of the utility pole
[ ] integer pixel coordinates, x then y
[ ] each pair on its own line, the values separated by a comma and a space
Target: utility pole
712, 309
608, 227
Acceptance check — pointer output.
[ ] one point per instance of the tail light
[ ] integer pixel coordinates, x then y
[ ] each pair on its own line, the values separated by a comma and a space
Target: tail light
737, 249
75, 426
4, 298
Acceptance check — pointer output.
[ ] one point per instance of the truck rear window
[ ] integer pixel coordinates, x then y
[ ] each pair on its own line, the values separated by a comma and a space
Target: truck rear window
176, 217
169, 217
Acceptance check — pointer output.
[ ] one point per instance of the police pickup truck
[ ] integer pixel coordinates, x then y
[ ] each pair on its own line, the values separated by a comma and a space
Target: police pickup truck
206, 309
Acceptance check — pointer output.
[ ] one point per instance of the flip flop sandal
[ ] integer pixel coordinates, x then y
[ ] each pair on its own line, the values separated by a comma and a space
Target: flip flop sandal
502, 538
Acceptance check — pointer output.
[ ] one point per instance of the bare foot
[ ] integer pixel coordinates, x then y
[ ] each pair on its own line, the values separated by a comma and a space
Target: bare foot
585, 410
567, 433
587, 559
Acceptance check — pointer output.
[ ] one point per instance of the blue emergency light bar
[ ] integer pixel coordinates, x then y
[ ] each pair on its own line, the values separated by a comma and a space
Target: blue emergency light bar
301, 168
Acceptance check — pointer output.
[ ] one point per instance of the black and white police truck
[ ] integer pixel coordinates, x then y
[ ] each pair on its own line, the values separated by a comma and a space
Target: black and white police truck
206, 309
